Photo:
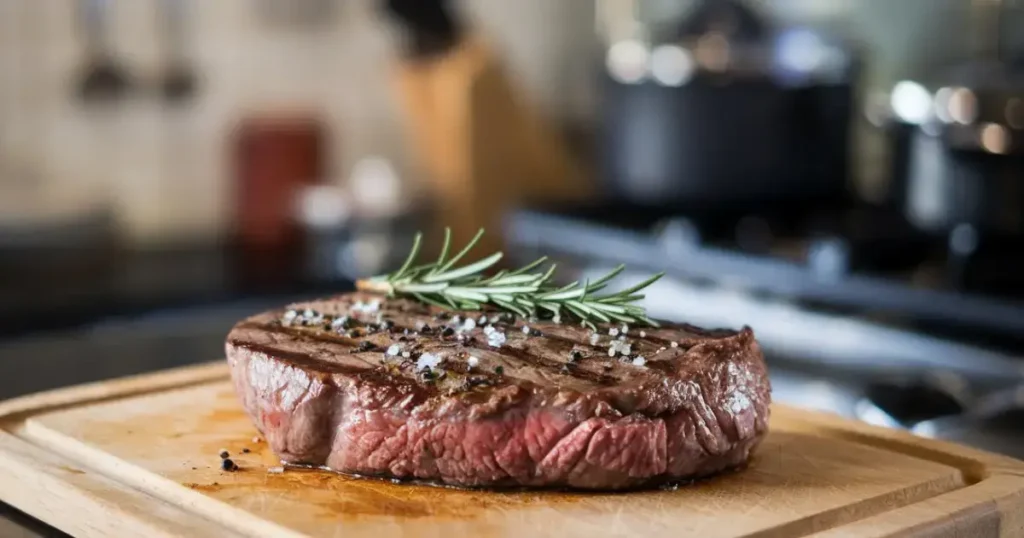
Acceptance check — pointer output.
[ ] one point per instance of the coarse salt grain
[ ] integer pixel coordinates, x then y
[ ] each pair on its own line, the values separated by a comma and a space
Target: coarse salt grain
427, 361
289, 317
366, 307
594, 339
469, 325
675, 344
473, 362
312, 317
613, 331
643, 334
496, 339
526, 329
394, 350
639, 361
406, 354
275, 470
619, 347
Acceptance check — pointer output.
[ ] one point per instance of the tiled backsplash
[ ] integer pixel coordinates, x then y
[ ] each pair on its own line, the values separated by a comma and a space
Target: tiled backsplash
165, 169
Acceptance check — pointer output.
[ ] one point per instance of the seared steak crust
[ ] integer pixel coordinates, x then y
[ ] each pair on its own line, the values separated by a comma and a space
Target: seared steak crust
396, 389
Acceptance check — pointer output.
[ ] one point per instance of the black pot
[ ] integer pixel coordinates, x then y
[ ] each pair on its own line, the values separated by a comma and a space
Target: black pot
941, 187
965, 166
732, 123
738, 142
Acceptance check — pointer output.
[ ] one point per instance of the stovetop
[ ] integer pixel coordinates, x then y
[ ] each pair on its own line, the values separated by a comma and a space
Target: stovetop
854, 259
859, 314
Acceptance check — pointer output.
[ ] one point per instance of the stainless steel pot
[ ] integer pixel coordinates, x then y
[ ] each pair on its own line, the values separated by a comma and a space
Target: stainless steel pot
958, 149
957, 139
723, 108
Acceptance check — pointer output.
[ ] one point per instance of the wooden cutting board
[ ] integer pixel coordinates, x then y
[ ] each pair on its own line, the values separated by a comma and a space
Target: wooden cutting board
138, 457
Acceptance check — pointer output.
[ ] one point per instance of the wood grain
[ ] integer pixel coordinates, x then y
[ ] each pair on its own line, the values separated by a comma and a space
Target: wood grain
483, 148
142, 452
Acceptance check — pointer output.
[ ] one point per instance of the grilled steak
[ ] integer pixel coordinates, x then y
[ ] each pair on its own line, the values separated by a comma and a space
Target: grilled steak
393, 388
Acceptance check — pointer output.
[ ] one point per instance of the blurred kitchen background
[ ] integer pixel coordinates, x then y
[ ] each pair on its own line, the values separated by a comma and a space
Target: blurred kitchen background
846, 176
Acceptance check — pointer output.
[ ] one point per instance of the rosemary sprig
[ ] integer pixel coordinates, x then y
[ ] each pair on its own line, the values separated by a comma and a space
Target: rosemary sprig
521, 291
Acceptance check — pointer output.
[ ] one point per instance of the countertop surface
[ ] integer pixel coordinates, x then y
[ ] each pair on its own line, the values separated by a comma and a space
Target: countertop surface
75, 315
143, 319
119, 347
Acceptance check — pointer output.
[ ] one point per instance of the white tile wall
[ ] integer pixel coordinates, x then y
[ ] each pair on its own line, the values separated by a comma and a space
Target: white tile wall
166, 172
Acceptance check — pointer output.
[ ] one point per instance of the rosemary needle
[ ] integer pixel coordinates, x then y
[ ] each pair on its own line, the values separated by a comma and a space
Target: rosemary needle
522, 291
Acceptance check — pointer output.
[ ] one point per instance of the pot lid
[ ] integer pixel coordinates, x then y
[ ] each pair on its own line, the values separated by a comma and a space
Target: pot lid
729, 19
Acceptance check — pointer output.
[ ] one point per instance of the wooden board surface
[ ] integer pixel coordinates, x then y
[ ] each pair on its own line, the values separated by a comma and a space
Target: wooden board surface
138, 457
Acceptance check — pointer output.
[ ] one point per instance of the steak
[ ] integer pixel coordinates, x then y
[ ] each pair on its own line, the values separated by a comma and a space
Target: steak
396, 389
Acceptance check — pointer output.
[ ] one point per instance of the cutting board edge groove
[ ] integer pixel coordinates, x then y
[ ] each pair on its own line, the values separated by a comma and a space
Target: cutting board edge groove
22, 459
975, 465
140, 479
20, 409
1001, 479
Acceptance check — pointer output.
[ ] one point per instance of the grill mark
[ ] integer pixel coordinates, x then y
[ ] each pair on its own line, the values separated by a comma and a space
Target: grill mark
401, 323
656, 340
403, 308
389, 378
583, 344
411, 308
555, 367
506, 351
523, 355
599, 354
405, 315
573, 343
434, 345
329, 337
314, 334
596, 353
306, 360
297, 358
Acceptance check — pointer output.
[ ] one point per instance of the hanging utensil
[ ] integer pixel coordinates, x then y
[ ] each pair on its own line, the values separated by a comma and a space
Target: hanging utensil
179, 79
103, 79
297, 14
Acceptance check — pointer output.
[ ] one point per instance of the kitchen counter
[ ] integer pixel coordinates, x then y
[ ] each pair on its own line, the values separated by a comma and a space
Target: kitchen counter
166, 339
15, 524
169, 337
74, 316
173, 338
43, 290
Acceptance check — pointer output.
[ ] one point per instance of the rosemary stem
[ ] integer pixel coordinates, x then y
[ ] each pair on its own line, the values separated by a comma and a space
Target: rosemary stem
375, 286
466, 287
